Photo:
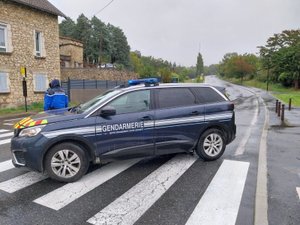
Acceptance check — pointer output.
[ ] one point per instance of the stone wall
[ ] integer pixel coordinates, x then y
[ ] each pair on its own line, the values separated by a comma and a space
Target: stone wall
96, 74
23, 22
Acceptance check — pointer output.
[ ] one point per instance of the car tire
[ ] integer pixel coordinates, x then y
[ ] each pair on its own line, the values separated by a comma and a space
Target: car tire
66, 162
211, 145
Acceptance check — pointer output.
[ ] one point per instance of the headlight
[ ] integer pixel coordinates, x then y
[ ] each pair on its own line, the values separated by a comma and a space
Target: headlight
30, 132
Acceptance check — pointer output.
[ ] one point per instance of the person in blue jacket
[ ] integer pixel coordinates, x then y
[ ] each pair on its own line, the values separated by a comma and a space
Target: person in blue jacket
55, 97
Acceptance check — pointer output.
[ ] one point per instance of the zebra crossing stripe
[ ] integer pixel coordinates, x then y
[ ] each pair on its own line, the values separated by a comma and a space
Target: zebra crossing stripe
6, 165
68, 193
21, 182
129, 207
298, 191
221, 200
3, 130
8, 124
5, 141
10, 134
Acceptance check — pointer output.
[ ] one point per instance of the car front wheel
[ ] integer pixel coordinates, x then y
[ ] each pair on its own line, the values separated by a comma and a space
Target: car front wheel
66, 162
211, 145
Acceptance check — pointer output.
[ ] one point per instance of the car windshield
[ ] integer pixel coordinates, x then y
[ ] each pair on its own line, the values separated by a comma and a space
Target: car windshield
95, 102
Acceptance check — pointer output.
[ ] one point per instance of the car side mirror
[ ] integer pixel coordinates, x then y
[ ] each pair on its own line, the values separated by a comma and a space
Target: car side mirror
108, 111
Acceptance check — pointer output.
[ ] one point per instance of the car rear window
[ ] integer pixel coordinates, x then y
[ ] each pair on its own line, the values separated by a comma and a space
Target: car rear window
207, 95
175, 97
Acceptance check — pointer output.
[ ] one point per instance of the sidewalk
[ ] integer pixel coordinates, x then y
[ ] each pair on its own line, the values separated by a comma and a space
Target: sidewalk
291, 118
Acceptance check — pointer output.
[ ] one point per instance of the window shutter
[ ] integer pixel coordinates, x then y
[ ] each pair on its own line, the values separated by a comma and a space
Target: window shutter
34, 43
4, 85
9, 39
40, 82
43, 47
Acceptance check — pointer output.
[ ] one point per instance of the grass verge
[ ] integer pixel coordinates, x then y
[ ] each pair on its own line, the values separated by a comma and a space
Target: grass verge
277, 90
34, 107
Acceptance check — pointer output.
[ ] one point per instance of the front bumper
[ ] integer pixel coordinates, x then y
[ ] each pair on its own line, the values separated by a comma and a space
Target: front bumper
28, 152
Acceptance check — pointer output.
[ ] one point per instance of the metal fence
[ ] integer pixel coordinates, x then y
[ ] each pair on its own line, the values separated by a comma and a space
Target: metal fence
89, 84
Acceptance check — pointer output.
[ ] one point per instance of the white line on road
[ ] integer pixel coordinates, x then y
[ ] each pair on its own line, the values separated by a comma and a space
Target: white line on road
221, 200
10, 134
3, 130
8, 120
5, 141
68, 193
21, 182
241, 148
298, 191
8, 124
6, 165
129, 207
261, 195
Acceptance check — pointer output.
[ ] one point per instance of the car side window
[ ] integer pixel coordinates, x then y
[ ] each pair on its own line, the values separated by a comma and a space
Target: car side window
207, 95
174, 97
137, 101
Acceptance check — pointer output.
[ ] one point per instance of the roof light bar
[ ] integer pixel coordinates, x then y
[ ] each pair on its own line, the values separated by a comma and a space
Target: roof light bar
146, 81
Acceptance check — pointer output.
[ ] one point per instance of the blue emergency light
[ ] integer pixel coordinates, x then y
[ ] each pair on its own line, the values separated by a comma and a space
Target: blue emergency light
146, 81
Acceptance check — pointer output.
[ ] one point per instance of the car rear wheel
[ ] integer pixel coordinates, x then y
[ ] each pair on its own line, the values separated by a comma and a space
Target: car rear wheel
66, 162
211, 145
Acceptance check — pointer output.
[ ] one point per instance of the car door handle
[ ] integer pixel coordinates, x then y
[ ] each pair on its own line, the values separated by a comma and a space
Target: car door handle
146, 118
195, 113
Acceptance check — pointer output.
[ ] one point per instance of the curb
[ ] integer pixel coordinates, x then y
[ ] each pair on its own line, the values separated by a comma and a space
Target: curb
16, 115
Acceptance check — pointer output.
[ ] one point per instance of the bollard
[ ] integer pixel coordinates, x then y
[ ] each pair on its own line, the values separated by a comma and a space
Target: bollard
282, 112
279, 107
290, 104
276, 107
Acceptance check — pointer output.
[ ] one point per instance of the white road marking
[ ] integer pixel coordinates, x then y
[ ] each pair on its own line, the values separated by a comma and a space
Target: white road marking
68, 193
6, 165
241, 148
261, 195
10, 134
3, 130
5, 141
14, 119
21, 182
129, 207
8, 124
221, 200
298, 191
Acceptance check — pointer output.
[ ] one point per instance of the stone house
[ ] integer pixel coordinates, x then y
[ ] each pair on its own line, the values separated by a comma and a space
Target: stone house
29, 37
71, 53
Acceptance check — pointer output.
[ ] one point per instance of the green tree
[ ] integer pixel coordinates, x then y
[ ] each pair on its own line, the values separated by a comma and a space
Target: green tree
119, 46
199, 65
67, 28
238, 66
83, 32
100, 41
281, 55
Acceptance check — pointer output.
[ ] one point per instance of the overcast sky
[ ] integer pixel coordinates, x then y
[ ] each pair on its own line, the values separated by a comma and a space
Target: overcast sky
176, 30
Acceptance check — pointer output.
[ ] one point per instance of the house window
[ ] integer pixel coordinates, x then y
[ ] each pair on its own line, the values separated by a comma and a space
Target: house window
4, 82
40, 82
39, 47
3, 38
38, 43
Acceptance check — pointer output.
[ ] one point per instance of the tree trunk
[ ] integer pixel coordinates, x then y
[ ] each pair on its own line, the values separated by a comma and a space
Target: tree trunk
296, 82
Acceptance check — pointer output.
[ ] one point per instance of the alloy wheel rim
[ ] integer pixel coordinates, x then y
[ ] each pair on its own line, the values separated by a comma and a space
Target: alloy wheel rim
65, 163
213, 144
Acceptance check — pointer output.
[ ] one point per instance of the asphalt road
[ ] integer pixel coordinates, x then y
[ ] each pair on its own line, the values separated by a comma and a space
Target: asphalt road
176, 189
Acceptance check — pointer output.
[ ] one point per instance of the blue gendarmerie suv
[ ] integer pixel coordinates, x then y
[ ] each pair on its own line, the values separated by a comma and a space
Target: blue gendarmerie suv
142, 119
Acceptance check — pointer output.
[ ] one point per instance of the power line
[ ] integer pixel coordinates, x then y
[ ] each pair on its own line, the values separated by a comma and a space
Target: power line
103, 7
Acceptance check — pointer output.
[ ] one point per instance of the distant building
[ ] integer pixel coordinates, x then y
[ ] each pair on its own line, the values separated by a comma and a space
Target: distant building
29, 37
71, 53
